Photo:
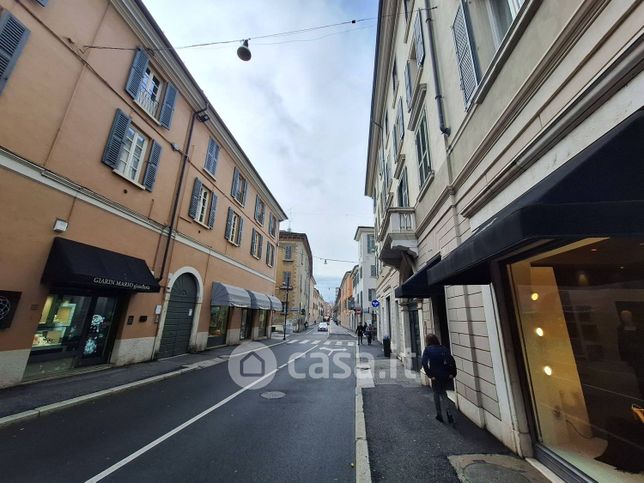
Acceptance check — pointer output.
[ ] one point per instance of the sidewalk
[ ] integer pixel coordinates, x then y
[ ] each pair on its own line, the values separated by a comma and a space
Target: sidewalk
32, 399
407, 443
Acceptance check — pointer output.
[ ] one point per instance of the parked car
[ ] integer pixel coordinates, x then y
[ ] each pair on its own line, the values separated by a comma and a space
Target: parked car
323, 327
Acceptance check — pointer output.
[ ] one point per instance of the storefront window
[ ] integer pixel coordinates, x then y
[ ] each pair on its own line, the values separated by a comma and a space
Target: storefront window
61, 324
263, 317
581, 315
218, 321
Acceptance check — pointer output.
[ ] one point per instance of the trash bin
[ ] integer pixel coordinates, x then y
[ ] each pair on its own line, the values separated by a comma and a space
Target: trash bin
386, 345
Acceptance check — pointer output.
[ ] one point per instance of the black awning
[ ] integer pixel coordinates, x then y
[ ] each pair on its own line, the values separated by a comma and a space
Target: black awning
416, 285
78, 265
600, 192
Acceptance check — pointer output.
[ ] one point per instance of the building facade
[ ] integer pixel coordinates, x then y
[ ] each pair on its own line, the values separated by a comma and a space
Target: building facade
502, 160
345, 300
135, 225
295, 270
367, 280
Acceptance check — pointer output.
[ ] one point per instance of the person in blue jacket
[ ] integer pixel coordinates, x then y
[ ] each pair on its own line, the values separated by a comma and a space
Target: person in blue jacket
440, 367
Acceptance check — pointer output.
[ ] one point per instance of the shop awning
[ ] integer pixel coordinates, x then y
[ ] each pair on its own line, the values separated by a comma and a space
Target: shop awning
598, 193
276, 304
259, 300
416, 285
75, 264
229, 295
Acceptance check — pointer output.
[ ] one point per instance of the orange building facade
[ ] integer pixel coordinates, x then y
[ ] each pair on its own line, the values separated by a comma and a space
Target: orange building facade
133, 226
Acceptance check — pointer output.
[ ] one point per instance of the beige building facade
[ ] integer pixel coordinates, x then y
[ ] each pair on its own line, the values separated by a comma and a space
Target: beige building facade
135, 226
295, 270
502, 161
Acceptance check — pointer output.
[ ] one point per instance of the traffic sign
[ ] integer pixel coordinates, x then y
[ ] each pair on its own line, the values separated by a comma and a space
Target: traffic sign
375, 303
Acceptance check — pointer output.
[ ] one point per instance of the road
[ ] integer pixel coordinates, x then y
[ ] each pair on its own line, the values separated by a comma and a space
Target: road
202, 426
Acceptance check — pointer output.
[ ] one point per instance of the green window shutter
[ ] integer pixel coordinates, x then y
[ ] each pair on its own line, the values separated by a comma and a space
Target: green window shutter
233, 188
245, 183
241, 229
253, 241
464, 56
168, 106
13, 37
229, 223
212, 155
194, 200
112, 150
260, 242
418, 39
213, 210
153, 165
137, 71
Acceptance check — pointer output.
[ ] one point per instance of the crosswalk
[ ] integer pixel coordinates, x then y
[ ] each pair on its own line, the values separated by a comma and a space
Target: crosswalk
334, 343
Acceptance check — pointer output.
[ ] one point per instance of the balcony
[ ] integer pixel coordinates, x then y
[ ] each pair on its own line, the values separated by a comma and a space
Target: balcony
398, 235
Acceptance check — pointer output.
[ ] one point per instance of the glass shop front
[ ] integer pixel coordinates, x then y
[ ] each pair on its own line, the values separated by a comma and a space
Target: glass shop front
580, 313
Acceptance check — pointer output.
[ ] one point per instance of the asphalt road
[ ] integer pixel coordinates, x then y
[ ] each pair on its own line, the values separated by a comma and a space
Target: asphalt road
202, 426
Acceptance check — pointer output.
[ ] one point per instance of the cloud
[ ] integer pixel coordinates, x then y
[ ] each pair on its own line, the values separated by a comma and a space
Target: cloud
299, 108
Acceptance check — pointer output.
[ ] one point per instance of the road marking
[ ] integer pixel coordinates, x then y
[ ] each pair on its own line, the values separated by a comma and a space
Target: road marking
338, 343
305, 341
328, 342
363, 466
291, 342
190, 421
316, 341
350, 344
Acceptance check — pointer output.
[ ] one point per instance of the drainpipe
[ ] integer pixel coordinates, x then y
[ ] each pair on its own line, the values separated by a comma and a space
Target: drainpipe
437, 86
177, 195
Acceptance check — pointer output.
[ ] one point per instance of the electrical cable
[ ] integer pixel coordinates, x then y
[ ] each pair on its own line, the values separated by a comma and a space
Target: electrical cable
266, 36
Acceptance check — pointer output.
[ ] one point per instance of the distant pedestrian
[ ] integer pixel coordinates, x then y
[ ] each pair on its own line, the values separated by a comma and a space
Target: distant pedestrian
440, 367
360, 332
369, 332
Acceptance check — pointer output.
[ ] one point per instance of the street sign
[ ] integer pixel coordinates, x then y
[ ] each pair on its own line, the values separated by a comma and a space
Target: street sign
375, 303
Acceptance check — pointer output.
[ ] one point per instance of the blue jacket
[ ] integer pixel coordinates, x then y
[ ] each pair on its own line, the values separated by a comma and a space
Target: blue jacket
438, 362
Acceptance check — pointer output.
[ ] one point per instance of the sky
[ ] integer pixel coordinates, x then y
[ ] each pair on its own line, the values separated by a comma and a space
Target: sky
299, 108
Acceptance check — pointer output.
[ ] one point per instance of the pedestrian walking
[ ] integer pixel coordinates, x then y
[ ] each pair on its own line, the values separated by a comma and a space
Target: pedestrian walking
369, 333
360, 332
440, 367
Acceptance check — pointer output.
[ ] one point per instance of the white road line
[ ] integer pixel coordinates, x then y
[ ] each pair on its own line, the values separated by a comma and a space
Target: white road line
338, 342
350, 344
291, 342
328, 342
190, 421
305, 341
316, 341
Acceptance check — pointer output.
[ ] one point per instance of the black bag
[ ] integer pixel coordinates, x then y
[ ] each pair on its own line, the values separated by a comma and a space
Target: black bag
450, 364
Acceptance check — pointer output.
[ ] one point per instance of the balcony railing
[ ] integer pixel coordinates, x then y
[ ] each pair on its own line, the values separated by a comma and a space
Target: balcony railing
398, 221
145, 100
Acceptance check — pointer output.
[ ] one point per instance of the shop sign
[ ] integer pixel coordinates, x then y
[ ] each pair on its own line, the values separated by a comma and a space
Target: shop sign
120, 284
8, 305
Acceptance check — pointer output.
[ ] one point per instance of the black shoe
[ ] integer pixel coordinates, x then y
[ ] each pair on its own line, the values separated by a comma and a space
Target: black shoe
439, 418
450, 419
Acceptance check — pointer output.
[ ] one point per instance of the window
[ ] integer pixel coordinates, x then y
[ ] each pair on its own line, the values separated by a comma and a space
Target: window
408, 85
234, 227
403, 192
239, 187
371, 243
287, 279
132, 152
260, 210
422, 152
149, 91
394, 77
386, 123
400, 123
372, 294
126, 149
419, 43
272, 225
270, 254
407, 7
212, 156
288, 253
502, 14
203, 204
13, 37
257, 240
218, 324
373, 271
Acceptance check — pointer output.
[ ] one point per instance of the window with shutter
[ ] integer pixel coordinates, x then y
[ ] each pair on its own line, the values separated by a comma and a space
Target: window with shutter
272, 225
239, 188
400, 120
212, 156
137, 71
13, 37
238, 238
464, 57
394, 77
168, 106
407, 85
119, 128
229, 225
260, 210
418, 40
194, 199
153, 166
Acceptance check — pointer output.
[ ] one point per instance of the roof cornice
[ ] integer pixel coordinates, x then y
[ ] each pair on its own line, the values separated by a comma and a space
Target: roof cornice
140, 20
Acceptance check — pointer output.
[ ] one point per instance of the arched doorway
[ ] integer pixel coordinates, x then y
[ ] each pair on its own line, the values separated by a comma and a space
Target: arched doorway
179, 317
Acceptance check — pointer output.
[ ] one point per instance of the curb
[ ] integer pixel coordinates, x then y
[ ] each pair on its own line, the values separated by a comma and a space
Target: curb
57, 406
363, 468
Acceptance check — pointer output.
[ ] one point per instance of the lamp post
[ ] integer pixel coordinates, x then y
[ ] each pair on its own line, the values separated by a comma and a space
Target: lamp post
287, 287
